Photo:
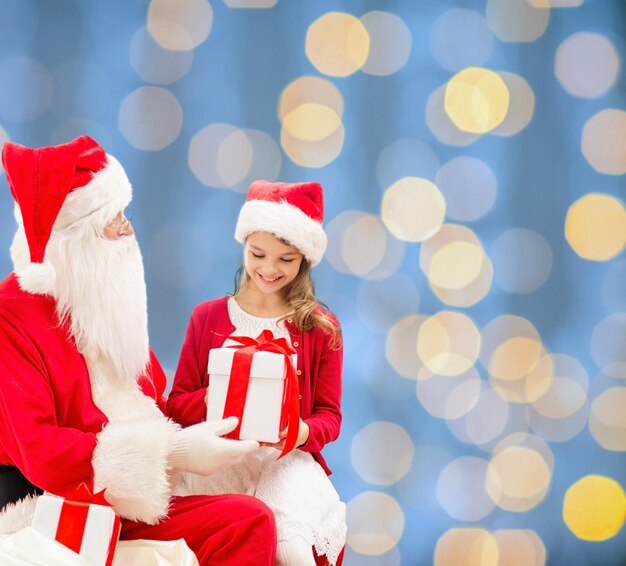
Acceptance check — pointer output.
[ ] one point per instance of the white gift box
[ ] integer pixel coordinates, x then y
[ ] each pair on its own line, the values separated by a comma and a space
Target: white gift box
96, 538
262, 410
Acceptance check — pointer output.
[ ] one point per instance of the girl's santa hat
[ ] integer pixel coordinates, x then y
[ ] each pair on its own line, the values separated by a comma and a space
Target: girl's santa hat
293, 212
67, 188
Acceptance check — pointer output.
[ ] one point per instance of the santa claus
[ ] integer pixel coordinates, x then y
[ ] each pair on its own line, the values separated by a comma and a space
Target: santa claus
81, 393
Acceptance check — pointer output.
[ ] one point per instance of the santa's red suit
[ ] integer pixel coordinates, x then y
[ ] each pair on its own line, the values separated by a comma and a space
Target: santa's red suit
68, 418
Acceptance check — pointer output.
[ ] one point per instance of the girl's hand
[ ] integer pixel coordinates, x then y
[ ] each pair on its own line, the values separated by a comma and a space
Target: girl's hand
303, 436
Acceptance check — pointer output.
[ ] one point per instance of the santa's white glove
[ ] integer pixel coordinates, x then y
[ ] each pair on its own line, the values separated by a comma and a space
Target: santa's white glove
200, 449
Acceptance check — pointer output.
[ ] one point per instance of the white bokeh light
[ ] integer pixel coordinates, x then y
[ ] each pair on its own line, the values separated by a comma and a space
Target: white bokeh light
390, 43
381, 453
150, 118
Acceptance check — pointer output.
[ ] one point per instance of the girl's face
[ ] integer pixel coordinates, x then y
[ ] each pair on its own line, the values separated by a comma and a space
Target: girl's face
270, 263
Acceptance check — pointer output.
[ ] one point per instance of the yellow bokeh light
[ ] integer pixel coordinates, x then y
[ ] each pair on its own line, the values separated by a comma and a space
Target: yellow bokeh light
520, 547
313, 154
400, 346
179, 25
310, 89
375, 523
413, 209
528, 387
439, 123
515, 358
337, 44
594, 508
604, 141
518, 478
476, 100
456, 265
467, 547
311, 122
607, 420
448, 343
595, 226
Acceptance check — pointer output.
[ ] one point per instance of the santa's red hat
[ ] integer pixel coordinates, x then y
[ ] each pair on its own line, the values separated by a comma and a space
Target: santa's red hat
63, 187
293, 212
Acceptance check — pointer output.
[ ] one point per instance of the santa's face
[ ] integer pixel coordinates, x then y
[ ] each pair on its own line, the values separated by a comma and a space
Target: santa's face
270, 263
101, 293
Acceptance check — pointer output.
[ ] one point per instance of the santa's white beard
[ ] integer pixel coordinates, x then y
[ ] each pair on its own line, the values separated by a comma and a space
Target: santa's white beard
100, 291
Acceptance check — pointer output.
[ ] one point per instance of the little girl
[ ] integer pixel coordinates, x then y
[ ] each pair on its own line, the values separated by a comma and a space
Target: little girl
280, 225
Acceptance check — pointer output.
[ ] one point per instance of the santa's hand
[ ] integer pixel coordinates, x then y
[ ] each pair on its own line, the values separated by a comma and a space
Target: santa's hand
200, 449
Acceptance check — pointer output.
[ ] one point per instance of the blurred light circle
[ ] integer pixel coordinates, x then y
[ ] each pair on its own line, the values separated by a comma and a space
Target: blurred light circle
607, 419
474, 291
360, 245
309, 89
567, 392
81, 89
180, 256
586, 64
447, 397
516, 20
76, 127
401, 346
476, 100
527, 387
313, 154
522, 260
180, 25
487, 419
26, 91
153, 63
390, 558
456, 265
513, 336
234, 157
150, 118
604, 141
390, 43
405, 158
521, 105
381, 453
530, 441
520, 547
556, 3
250, 3
468, 186
461, 489
375, 523
337, 44
448, 343
440, 124
594, 508
311, 122
413, 209
460, 38
518, 478
467, 547
595, 226
265, 164
613, 295
381, 303
4, 137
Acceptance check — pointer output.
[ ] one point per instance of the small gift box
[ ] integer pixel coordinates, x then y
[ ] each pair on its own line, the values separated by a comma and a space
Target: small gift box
255, 380
85, 523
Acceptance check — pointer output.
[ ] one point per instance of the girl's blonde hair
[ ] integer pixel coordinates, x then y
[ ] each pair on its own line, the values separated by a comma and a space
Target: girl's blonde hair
300, 295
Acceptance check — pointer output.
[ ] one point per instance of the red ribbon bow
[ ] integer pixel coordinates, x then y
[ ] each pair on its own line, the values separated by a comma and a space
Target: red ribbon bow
73, 518
240, 375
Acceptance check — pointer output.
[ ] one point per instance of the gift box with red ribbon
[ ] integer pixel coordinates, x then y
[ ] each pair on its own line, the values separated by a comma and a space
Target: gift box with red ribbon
84, 522
256, 381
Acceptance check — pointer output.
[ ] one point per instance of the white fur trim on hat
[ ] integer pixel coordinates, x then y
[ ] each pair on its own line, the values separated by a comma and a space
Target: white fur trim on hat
286, 222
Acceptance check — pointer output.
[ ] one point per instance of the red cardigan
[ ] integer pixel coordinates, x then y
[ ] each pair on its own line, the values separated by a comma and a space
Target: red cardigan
319, 371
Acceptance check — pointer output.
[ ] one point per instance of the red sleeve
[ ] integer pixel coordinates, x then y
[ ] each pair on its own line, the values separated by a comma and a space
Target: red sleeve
325, 420
186, 403
159, 382
54, 458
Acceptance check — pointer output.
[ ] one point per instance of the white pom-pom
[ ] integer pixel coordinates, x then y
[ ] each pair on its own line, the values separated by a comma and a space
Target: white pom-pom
37, 278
